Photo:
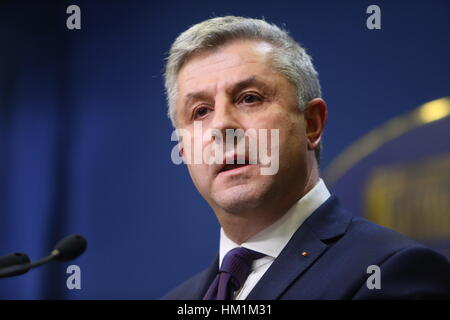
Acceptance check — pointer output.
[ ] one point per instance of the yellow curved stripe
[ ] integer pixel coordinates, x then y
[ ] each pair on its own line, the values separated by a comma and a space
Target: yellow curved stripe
361, 148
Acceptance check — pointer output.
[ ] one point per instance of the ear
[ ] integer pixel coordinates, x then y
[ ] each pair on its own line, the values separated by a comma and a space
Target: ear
316, 115
181, 150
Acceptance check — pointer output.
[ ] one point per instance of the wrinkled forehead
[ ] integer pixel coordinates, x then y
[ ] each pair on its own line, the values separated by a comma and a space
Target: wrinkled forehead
238, 46
227, 63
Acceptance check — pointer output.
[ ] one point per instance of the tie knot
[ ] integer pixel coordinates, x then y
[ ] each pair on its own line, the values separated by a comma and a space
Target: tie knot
238, 263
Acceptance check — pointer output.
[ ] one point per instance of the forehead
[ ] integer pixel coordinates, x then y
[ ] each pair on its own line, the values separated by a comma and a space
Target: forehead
228, 64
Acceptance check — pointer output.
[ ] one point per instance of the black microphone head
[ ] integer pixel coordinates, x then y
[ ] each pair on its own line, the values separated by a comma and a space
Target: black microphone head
14, 264
70, 247
13, 259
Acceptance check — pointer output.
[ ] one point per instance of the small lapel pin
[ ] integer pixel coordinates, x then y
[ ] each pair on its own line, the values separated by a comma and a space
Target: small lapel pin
304, 253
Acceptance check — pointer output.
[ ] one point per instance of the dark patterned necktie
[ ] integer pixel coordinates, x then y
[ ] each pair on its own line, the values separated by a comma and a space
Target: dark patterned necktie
235, 268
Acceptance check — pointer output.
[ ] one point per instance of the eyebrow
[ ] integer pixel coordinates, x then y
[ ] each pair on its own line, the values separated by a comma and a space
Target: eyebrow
252, 81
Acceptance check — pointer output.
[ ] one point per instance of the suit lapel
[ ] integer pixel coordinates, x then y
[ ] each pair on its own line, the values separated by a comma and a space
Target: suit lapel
327, 222
288, 266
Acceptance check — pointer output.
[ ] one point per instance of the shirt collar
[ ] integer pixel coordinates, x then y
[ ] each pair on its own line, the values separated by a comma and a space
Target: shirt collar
274, 238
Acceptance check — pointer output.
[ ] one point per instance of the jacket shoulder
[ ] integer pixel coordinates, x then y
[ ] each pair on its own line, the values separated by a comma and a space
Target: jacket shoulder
415, 272
385, 239
408, 269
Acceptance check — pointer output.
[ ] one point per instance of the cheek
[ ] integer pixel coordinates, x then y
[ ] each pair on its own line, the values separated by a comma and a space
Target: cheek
291, 126
292, 138
296, 132
198, 173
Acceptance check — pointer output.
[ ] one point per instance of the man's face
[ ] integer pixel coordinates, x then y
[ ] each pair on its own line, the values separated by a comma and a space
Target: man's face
235, 87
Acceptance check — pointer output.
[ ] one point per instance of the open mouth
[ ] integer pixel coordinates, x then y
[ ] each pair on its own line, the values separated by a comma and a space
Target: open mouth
233, 166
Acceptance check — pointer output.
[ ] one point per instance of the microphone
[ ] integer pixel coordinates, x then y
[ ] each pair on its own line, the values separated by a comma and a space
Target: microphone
14, 259
69, 248
66, 249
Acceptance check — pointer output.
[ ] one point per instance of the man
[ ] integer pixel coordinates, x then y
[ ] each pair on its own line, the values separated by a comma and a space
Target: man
283, 236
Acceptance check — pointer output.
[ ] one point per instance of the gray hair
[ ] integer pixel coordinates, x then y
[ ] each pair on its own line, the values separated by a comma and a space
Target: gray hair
288, 57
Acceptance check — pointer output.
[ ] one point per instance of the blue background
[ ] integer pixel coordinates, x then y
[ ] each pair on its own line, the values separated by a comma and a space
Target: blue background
85, 141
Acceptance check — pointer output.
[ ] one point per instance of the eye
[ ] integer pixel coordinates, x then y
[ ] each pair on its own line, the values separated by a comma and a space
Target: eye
200, 112
250, 98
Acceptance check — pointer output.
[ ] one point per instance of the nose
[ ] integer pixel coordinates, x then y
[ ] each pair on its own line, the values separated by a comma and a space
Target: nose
225, 117
226, 130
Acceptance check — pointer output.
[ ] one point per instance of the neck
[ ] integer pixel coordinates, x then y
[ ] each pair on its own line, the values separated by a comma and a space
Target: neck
241, 226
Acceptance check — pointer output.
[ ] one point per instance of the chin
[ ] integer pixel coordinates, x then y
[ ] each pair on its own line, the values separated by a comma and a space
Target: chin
240, 198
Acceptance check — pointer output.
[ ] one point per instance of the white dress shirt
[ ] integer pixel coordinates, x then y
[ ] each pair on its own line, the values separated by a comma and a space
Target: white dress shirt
274, 238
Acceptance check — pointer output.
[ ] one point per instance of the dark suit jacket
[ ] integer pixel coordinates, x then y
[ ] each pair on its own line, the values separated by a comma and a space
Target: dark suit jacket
340, 249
